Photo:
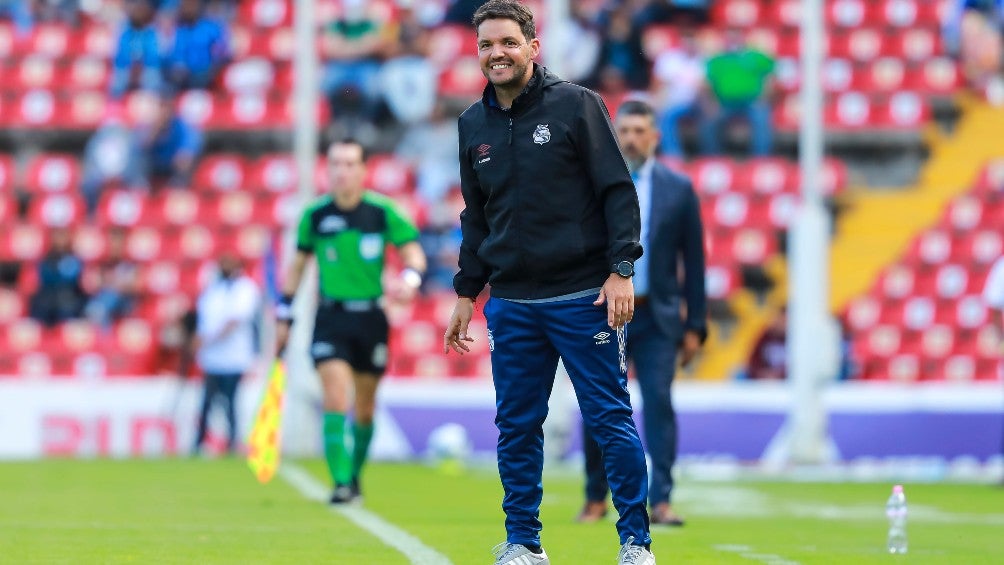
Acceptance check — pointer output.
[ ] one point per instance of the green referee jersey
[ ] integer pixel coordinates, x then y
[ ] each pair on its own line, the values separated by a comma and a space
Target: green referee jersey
349, 245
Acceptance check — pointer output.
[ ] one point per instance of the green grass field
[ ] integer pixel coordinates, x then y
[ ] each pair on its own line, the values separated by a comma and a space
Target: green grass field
213, 511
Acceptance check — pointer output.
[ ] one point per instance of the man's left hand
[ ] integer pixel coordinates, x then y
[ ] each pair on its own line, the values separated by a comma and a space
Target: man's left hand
618, 293
690, 347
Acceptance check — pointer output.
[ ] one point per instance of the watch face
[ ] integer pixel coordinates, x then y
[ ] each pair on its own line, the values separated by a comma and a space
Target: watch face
625, 269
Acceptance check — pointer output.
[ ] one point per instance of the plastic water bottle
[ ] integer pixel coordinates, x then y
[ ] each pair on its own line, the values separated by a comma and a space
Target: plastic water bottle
895, 510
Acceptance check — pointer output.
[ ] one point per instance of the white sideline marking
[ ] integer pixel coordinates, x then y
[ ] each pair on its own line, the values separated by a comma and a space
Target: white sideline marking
748, 553
411, 547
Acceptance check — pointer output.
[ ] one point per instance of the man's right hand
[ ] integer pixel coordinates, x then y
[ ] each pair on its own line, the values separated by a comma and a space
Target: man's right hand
456, 331
281, 336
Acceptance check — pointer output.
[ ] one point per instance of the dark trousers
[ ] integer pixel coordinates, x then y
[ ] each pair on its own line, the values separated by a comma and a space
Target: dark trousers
526, 341
224, 387
654, 356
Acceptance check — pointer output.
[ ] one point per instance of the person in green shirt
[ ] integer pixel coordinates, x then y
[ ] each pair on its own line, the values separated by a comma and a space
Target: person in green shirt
347, 231
739, 80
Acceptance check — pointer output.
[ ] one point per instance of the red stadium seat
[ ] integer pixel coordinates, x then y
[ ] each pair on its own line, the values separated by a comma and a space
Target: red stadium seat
193, 243
772, 175
951, 281
750, 246
885, 74
23, 242
251, 242
862, 44
863, 313
737, 13
882, 341
34, 109
847, 13
903, 110
389, 175
274, 174
34, 71
897, 282
729, 210
713, 175
904, 367
7, 174
266, 13
918, 44
251, 75
166, 308
721, 280
965, 214
222, 172
90, 242
56, 210
933, 247
8, 209
658, 38
49, 39
937, 342
918, 313
12, 306
849, 110
53, 173
232, 208
991, 178
121, 208
144, 243
462, 80
447, 43
786, 13
22, 335
84, 73
938, 75
178, 207
781, 210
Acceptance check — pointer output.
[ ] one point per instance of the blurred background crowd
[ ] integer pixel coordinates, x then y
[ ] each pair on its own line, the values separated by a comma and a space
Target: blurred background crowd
139, 139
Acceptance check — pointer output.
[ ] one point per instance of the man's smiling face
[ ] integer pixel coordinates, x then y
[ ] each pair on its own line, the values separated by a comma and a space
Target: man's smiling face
506, 56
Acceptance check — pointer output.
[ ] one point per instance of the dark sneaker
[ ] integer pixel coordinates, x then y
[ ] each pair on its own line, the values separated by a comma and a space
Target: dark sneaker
343, 495
357, 492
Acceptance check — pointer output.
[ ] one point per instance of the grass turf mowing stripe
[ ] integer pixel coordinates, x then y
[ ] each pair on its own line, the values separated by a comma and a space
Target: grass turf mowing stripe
411, 547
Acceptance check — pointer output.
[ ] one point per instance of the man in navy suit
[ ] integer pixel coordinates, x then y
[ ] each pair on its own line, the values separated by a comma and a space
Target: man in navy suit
669, 312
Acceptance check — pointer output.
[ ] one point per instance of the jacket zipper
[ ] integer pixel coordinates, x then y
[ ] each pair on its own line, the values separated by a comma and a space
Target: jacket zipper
510, 131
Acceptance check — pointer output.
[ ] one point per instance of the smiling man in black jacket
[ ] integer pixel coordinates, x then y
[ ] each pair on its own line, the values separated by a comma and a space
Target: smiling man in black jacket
551, 221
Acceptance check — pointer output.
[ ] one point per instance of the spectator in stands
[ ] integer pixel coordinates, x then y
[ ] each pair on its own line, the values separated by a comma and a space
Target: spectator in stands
461, 12
581, 43
769, 358
739, 78
679, 85
430, 147
110, 156
60, 296
622, 48
118, 283
136, 63
972, 31
224, 342
354, 46
408, 79
169, 146
199, 49
26, 13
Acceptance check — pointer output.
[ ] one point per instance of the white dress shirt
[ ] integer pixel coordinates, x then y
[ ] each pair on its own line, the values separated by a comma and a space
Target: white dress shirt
221, 302
643, 184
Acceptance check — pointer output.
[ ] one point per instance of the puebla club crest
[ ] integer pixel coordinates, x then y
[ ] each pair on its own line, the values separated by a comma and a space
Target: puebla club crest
541, 135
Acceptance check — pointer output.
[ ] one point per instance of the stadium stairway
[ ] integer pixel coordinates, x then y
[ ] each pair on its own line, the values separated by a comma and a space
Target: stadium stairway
872, 232
879, 225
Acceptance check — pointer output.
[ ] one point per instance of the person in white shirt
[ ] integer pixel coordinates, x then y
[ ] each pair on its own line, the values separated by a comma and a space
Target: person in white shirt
225, 341
679, 76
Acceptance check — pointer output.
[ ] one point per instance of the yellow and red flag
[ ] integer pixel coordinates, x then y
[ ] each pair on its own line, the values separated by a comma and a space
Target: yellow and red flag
264, 443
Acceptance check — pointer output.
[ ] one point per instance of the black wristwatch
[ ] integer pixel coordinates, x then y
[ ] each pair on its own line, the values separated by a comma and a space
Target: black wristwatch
624, 269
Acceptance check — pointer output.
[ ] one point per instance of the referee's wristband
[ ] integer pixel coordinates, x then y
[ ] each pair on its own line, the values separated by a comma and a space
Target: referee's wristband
411, 277
284, 309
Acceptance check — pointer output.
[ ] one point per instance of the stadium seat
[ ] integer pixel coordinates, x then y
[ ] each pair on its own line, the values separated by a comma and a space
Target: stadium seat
56, 210
729, 210
904, 367
781, 210
12, 306
7, 174
84, 73
846, 13
462, 80
935, 76
222, 172
863, 313
965, 214
174, 207
195, 242
22, 335
265, 14
990, 180
737, 13
251, 242
23, 242
982, 247
48, 173
389, 175
165, 308
896, 282
449, 42
90, 242
770, 176
273, 173
721, 280
8, 209
34, 71
251, 75
121, 208
713, 175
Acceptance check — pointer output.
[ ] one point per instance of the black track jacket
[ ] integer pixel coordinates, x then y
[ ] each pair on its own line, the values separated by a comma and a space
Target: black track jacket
549, 203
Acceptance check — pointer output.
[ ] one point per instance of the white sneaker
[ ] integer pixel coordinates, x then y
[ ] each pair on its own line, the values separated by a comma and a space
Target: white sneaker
634, 554
516, 554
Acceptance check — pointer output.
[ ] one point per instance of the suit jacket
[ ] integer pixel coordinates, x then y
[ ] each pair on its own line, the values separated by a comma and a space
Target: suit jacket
675, 235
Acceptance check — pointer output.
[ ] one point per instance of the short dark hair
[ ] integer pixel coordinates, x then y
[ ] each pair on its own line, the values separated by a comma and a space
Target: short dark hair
636, 107
350, 141
507, 10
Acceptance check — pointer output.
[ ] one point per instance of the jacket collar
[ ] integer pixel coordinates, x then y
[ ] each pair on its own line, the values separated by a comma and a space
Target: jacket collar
533, 90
